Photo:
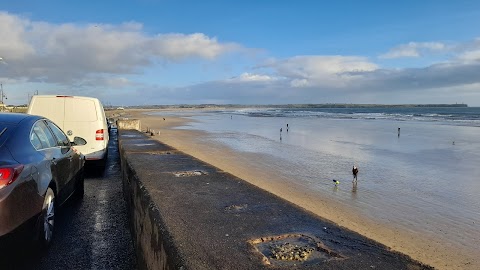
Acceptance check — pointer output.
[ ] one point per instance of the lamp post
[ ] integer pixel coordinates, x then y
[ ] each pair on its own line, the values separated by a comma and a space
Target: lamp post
2, 95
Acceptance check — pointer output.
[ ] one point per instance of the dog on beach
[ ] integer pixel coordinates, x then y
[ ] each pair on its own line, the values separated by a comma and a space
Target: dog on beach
355, 173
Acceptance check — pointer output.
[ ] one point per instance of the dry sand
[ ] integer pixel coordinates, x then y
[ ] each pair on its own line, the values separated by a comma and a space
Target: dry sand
259, 172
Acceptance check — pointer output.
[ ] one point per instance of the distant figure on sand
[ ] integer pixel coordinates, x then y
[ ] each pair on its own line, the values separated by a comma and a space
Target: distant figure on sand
287, 127
163, 119
354, 172
398, 132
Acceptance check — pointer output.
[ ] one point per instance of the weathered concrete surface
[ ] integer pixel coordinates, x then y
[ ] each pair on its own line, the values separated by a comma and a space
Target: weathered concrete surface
129, 124
210, 219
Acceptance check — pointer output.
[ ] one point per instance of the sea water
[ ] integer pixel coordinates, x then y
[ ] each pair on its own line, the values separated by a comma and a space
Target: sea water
424, 177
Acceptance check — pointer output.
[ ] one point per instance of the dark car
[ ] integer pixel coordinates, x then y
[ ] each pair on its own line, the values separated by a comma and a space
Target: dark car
39, 170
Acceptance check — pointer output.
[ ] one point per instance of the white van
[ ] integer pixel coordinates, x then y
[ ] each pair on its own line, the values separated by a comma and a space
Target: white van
76, 116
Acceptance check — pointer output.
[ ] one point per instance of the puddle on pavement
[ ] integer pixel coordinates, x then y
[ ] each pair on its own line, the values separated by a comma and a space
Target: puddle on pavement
293, 249
236, 208
190, 173
144, 144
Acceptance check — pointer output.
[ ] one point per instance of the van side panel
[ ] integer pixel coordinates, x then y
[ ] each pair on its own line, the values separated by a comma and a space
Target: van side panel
50, 107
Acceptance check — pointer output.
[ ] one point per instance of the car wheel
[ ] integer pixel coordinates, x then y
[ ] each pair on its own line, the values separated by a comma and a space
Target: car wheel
103, 161
47, 219
101, 164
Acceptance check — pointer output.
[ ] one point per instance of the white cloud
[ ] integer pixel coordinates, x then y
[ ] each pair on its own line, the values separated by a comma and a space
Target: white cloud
105, 82
179, 46
299, 83
470, 55
323, 79
331, 71
67, 53
251, 77
414, 49
118, 82
441, 83
470, 51
13, 37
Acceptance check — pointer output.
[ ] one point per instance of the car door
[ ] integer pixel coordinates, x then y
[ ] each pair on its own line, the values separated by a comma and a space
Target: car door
66, 149
59, 162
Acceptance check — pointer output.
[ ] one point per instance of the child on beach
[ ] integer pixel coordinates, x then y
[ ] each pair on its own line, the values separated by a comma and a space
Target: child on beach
355, 172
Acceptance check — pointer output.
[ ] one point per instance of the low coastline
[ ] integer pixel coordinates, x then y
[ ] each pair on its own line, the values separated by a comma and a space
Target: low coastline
299, 106
260, 174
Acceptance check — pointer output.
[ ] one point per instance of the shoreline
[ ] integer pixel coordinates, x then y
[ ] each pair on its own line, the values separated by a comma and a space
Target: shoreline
262, 174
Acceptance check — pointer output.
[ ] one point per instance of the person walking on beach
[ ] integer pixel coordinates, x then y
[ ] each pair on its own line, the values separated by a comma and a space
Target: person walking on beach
354, 172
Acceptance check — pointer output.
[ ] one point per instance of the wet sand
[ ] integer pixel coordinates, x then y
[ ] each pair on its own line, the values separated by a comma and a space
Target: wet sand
262, 173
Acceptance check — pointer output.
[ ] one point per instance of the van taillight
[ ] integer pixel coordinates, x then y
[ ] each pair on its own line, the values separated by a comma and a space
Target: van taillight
9, 174
99, 135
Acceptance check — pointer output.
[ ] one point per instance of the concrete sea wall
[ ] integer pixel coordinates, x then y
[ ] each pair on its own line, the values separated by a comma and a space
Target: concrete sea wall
129, 124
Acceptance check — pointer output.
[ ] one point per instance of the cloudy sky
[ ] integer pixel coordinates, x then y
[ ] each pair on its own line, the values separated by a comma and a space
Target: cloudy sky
242, 52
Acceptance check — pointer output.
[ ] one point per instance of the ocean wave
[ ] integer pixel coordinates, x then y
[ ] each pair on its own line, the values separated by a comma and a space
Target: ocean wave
455, 116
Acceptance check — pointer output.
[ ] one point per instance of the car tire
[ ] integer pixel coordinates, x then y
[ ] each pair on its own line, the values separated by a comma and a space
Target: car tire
47, 219
105, 158
102, 163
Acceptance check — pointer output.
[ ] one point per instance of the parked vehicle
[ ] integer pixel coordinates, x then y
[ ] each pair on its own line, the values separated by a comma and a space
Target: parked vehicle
76, 116
39, 170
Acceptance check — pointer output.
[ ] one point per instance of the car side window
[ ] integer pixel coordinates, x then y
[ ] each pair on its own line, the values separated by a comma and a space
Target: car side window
35, 140
44, 135
62, 139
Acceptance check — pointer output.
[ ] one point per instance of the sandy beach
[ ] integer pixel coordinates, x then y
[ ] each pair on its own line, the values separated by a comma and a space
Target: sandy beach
263, 173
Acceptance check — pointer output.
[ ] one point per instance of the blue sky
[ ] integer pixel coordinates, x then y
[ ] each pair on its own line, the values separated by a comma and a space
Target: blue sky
242, 52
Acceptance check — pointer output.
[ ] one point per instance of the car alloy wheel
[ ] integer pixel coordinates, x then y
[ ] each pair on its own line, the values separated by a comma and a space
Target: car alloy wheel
48, 217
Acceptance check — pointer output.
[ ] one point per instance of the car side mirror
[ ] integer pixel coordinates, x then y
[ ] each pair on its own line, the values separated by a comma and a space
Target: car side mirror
79, 141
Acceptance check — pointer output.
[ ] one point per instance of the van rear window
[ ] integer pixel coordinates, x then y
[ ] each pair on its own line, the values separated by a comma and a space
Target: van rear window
80, 110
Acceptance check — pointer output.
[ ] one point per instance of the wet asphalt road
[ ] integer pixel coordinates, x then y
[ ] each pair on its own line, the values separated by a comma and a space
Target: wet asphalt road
92, 233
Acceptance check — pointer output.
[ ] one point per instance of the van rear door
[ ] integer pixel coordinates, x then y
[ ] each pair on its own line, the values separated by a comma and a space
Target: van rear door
80, 118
